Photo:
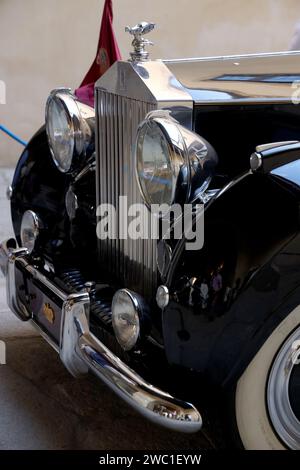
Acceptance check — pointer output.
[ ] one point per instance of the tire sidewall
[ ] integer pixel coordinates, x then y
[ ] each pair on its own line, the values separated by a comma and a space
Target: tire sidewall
253, 423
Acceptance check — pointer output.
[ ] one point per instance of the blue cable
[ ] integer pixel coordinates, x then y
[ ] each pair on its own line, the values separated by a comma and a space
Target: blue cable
13, 136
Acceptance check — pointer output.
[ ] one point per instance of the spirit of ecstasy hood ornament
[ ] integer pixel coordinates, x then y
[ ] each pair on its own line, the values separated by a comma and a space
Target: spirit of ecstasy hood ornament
139, 42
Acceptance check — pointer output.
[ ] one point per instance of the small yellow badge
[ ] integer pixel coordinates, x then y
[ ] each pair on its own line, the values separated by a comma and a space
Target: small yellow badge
49, 313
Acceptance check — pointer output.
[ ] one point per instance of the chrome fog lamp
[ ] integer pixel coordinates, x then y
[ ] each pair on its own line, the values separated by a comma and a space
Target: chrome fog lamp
128, 318
69, 127
30, 229
170, 160
162, 296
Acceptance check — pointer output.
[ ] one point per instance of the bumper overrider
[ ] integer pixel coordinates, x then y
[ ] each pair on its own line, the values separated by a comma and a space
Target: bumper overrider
81, 351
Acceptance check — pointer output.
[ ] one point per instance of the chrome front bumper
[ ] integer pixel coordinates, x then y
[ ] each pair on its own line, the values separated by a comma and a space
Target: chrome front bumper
80, 350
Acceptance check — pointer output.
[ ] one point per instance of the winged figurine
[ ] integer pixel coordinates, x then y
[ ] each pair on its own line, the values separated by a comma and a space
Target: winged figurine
140, 29
139, 42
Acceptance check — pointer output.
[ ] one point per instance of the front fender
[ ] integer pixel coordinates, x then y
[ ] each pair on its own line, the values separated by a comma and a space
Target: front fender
37, 185
249, 269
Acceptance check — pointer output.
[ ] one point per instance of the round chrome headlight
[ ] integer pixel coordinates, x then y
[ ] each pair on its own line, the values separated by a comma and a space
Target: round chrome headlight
130, 319
69, 127
171, 160
160, 155
30, 229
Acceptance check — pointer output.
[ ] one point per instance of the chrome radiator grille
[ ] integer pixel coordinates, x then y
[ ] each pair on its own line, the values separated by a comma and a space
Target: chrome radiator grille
132, 262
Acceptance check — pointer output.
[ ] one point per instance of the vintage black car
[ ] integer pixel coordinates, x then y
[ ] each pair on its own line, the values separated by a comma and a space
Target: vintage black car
177, 332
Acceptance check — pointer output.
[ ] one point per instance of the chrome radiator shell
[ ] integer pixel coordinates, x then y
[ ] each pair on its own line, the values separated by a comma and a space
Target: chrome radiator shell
124, 96
126, 259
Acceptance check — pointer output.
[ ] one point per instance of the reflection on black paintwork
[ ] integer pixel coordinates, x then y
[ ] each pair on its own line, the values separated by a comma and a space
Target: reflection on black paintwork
224, 298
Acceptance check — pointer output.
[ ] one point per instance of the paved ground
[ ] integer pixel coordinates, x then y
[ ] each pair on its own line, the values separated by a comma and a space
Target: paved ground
43, 407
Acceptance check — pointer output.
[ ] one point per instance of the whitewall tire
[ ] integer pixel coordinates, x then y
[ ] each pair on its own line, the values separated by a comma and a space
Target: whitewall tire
264, 417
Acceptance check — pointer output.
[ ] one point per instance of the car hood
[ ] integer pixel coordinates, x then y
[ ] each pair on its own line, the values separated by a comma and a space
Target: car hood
255, 78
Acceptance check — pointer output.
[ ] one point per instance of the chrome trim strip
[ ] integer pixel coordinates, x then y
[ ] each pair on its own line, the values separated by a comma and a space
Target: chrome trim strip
80, 350
233, 183
44, 280
91, 165
237, 56
36, 274
274, 145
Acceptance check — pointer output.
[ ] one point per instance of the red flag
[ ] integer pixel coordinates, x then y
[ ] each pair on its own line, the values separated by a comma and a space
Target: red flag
107, 53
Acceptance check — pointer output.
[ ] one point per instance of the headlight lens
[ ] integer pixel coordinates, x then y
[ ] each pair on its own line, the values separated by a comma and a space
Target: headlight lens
128, 317
30, 229
125, 318
69, 126
60, 134
154, 164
